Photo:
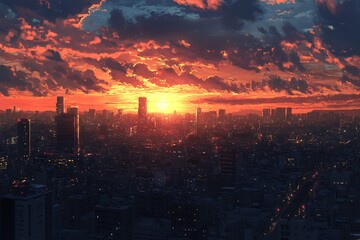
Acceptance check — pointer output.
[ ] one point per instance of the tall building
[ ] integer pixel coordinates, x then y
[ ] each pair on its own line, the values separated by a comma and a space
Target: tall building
229, 164
26, 213
266, 113
222, 113
142, 109
92, 114
288, 113
60, 105
67, 132
280, 114
198, 115
24, 138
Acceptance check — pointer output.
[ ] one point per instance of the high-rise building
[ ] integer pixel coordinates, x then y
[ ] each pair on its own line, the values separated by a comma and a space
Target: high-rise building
67, 132
26, 213
92, 114
280, 114
75, 112
24, 138
60, 105
266, 113
142, 109
222, 113
198, 115
288, 113
229, 161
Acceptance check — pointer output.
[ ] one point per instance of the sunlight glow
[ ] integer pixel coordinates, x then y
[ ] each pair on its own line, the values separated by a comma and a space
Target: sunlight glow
163, 105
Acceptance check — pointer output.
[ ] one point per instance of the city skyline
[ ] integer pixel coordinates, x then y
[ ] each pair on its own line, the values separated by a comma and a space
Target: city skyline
237, 55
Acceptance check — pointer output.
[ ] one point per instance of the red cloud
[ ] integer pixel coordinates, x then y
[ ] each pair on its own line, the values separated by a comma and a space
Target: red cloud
202, 4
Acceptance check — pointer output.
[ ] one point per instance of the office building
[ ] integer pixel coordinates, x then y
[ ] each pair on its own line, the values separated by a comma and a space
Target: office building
288, 113
266, 113
60, 105
26, 213
24, 138
142, 113
222, 114
198, 115
67, 133
280, 114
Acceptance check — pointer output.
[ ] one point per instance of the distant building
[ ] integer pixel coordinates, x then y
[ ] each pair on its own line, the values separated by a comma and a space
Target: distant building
92, 114
142, 110
60, 105
24, 138
280, 114
26, 213
288, 113
266, 113
67, 133
222, 113
198, 115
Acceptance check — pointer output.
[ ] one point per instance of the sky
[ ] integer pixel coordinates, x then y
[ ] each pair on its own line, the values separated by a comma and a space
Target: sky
241, 55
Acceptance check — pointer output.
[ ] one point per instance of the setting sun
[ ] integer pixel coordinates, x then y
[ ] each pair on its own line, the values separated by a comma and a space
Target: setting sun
163, 105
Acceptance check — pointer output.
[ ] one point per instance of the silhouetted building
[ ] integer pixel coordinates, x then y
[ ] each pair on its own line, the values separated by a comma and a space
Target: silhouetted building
198, 115
60, 105
92, 114
288, 113
222, 113
280, 114
26, 213
67, 133
266, 113
24, 138
142, 112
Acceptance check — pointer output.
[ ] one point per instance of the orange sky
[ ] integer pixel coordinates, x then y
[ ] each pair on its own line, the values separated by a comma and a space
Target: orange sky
106, 71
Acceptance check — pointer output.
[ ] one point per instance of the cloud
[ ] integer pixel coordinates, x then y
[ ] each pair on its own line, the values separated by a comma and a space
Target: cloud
48, 9
340, 24
202, 4
329, 99
18, 80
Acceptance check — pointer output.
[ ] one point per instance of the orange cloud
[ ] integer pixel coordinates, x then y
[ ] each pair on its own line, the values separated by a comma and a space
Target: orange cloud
202, 4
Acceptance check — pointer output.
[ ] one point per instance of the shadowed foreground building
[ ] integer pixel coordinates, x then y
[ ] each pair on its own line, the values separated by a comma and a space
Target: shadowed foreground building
26, 213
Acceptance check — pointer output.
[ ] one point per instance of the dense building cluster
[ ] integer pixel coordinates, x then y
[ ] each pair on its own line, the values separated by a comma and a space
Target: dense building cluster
70, 174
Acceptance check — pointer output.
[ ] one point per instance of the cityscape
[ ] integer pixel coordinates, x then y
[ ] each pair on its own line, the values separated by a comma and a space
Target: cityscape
179, 120
89, 174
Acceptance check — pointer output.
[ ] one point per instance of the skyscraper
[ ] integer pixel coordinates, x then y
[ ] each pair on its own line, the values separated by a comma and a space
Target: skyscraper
266, 113
142, 109
288, 113
222, 113
60, 105
280, 114
67, 132
75, 112
24, 138
198, 115
26, 213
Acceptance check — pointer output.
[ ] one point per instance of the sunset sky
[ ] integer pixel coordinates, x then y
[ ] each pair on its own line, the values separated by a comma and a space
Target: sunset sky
235, 54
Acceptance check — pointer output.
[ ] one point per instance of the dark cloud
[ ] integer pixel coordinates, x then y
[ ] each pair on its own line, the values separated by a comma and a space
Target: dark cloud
48, 9
341, 27
53, 55
59, 75
18, 80
159, 24
278, 100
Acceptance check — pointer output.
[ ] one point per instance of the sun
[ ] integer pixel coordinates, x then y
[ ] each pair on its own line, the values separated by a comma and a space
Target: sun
163, 105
